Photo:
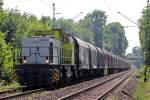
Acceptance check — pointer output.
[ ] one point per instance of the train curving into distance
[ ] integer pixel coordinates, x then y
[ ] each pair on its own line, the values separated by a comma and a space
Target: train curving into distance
60, 57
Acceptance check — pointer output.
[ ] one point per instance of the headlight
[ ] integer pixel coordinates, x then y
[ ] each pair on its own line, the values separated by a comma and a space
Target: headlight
46, 60
24, 60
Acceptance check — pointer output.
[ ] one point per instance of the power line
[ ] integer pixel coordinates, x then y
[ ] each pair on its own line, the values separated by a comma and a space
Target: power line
16, 2
112, 5
45, 3
77, 15
111, 10
127, 18
70, 7
130, 26
107, 5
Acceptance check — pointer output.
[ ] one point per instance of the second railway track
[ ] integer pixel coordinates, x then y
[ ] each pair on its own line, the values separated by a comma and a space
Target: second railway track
8, 95
97, 91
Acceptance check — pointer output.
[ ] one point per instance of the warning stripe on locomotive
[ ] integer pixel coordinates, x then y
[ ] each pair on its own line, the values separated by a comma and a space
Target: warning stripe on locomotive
14, 76
55, 75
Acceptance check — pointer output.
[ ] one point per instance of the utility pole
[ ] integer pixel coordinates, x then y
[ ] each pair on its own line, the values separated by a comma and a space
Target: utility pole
146, 44
54, 15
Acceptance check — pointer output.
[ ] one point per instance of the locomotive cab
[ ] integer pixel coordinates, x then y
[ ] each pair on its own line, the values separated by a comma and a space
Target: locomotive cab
40, 50
38, 56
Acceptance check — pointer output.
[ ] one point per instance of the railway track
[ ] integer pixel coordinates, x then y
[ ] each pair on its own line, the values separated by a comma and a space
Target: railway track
11, 91
71, 92
11, 94
81, 91
98, 91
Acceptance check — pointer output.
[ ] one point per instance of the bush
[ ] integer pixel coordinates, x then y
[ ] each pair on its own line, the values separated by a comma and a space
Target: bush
6, 62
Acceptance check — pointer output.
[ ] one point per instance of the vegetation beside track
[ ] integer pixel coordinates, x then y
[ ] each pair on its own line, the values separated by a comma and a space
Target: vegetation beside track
9, 86
142, 91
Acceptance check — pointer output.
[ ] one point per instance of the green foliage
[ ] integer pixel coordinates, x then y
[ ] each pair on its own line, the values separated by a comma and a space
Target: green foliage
13, 27
137, 51
144, 34
115, 39
76, 29
85, 32
65, 23
95, 22
9, 86
17, 26
1, 4
6, 63
142, 91
46, 20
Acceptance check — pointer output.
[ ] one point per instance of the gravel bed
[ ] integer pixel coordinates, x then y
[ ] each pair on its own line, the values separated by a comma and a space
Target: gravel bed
125, 92
99, 91
128, 90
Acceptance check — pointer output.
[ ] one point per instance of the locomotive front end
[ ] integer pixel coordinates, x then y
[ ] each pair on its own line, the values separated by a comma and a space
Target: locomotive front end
38, 56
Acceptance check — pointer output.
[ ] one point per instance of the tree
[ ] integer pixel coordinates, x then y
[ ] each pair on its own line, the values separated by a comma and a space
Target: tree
115, 39
76, 29
46, 20
1, 4
9, 24
144, 34
137, 51
17, 26
66, 24
95, 22
6, 62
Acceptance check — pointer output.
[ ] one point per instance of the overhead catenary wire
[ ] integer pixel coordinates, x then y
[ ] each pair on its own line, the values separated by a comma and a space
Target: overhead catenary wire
109, 8
15, 2
70, 7
130, 26
128, 18
116, 12
45, 3
107, 5
77, 10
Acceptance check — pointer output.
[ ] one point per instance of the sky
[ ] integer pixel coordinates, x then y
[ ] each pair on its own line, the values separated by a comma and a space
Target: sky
71, 8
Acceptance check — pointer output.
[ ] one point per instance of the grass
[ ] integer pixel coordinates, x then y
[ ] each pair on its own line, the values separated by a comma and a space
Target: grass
9, 86
142, 91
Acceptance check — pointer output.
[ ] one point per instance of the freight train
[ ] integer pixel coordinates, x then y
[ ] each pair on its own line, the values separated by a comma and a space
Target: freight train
62, 58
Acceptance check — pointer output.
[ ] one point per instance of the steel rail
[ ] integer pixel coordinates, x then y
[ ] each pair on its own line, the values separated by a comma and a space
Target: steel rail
21, 94
102, 97
12, 90
67, 97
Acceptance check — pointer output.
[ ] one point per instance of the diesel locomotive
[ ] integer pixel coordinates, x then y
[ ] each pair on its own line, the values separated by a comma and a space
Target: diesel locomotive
62, 58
